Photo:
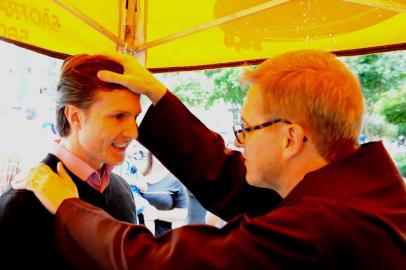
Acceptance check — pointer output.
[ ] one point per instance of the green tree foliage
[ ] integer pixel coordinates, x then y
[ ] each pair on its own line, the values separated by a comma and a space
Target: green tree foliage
191, 87
401, 163
378, 73
204, 88
393, 108
192, 93
227, 87
383, 78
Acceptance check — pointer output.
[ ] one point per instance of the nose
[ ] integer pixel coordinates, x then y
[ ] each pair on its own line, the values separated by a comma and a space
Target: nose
131, 130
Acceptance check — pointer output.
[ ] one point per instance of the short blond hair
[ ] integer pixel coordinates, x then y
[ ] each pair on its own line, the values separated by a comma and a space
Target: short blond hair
316, 90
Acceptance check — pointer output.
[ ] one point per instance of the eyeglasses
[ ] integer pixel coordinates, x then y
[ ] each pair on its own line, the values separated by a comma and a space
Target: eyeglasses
240, 130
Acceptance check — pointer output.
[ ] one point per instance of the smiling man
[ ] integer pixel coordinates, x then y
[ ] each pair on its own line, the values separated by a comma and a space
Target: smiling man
96, 122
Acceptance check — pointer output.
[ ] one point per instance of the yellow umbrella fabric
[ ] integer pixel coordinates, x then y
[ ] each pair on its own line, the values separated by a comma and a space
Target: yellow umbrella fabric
45, 26
345, 27
331, 25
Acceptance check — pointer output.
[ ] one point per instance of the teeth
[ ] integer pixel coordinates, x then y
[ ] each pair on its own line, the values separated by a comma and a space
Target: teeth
120, 145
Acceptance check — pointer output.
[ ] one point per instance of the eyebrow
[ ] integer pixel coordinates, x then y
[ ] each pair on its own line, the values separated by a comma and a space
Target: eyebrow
120, 111
125, 112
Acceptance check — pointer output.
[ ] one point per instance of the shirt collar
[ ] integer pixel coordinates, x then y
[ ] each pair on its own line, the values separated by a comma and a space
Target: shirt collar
81, 169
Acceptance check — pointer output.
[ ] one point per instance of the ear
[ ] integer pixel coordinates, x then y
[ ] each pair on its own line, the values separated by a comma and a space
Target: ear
74, 116
294, 140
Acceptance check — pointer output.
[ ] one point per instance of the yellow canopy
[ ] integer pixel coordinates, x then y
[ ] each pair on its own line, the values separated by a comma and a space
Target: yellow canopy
185, 34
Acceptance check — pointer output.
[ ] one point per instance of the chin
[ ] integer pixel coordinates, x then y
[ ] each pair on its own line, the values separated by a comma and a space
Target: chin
251, 180
118, 162
115, 161
256, 181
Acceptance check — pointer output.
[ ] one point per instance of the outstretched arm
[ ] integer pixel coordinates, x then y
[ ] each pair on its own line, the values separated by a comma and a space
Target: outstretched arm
92, 239
198, 158
193, 153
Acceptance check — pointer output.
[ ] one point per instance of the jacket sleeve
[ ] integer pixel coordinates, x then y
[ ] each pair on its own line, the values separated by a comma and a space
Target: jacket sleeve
197, 157
91, 239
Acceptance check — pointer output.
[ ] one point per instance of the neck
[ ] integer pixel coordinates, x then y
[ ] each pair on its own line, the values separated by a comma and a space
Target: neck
344, 149
296, 171
308, 161
73, 146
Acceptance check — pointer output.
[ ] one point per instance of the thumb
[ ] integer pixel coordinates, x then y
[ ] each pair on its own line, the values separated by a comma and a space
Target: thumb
62, 172
112, 77
65, 177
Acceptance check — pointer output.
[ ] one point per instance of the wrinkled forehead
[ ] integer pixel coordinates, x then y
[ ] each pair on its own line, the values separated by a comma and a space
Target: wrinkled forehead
118, 99
116, 91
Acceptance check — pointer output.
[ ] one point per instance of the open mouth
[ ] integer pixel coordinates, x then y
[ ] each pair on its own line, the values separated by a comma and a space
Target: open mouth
120, 147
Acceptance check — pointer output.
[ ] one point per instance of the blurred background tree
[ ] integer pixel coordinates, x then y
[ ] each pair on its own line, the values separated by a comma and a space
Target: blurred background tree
383, 78
393, 108
204, 88
227, 86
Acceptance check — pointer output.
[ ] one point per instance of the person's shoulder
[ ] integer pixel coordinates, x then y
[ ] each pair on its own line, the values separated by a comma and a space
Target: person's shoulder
115, 178
172, 184
321, 215
172, 181
116, 181
24, 220
17, 201
16, 197
51, 160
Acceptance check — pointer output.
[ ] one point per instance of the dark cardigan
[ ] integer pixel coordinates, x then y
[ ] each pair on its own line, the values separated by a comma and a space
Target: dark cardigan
27, 229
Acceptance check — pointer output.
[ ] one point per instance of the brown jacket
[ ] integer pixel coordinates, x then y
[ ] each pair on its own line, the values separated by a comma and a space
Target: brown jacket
350, 214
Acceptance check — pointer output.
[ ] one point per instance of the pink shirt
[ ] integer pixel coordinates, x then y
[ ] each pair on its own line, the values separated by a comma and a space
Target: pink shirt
81, 169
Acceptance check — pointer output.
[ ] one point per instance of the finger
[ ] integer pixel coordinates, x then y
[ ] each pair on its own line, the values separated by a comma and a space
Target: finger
67, 179
65, 176
112, 77
29, 184
127, 61
21, 180
62, 172
19, 185
34, 182
22, 177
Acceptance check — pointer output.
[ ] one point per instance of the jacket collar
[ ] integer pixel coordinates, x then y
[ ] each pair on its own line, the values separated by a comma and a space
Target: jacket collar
367, 172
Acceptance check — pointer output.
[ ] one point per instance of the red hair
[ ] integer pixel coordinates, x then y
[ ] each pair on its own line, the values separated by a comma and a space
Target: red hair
316, 90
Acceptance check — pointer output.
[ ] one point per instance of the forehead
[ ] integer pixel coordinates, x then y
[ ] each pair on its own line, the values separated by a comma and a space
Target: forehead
252, 109
117, 100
